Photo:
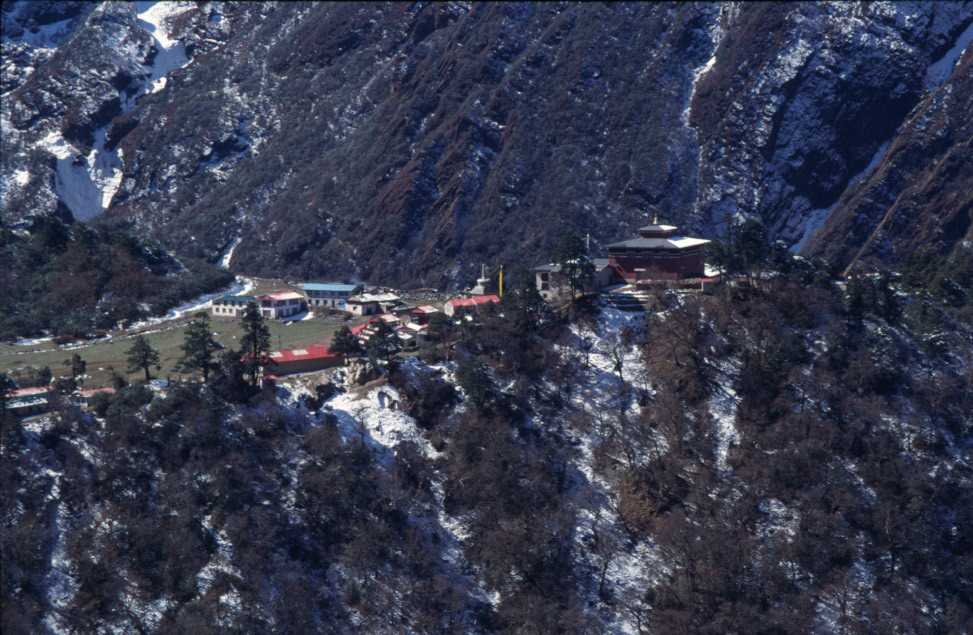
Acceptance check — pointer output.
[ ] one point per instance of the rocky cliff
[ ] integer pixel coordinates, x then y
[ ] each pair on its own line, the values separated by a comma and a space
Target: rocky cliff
408, 143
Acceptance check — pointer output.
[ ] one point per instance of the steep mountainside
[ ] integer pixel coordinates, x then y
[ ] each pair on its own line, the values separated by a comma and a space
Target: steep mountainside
791, 459
406, 143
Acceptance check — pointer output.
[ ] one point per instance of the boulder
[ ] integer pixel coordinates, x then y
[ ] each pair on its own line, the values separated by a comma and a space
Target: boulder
360, 371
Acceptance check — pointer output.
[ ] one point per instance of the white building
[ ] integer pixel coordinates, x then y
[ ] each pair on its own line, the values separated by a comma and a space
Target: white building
330, 295
231, 306
372, 303
281, 305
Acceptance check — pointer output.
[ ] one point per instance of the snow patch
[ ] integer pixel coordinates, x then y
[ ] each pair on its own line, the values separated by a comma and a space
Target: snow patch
242, 286
85, 184
818, 217
375, 414
24, 341
222, 560
227, 256
723, 408
45, 36
697, 75
171, 54
61, 584
939, 72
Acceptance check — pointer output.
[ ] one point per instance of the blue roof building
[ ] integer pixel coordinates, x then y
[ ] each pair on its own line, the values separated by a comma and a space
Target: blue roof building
337, 287
331, 295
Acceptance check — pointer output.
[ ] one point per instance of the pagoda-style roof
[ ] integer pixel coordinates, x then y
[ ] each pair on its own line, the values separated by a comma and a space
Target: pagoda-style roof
669, 243
657, 230
657, 227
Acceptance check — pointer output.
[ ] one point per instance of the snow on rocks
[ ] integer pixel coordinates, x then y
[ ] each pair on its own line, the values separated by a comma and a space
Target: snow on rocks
818, 217
723, 407
149, 612
61, 584
221, 561
939, 71
716, 34
242, 286
375, 414
779, 519
32, 341
227, 256
171, 55
86, 184
614, 369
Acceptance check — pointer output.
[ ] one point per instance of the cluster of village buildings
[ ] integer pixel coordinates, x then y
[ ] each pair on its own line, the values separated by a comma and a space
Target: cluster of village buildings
407, 323
658, 256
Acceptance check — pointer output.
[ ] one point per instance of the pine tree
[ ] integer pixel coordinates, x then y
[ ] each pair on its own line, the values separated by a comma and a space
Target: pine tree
198, 348
229, 381
439, 328
255, 342
142, 357
77, 365
750, 244
473, 378
856, 301
572, 255
526, 309
344, 342
381, 345
7, 386
890, 305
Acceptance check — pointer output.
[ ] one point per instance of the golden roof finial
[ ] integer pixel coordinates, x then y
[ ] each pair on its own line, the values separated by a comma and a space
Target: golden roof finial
655, 218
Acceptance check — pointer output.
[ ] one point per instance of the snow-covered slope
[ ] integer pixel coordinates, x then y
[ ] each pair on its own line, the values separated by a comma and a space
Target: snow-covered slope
107, 57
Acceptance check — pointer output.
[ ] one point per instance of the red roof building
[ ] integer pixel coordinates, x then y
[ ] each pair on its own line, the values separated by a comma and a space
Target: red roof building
359, 330
88, 393
25, 393
457, 306
304, 360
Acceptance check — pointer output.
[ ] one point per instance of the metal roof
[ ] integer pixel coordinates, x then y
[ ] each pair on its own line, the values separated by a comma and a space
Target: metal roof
235, 299
373, 297
312, 351
658, 228
670, 243
475, 300
283, 295
339, 287
29, 392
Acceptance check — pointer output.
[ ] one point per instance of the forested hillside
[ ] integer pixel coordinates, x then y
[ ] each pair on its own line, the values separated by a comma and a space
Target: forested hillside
780, 442
788, 457
71, 279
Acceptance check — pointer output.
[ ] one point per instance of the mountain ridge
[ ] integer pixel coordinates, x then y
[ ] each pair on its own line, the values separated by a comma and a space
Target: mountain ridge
405, 144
